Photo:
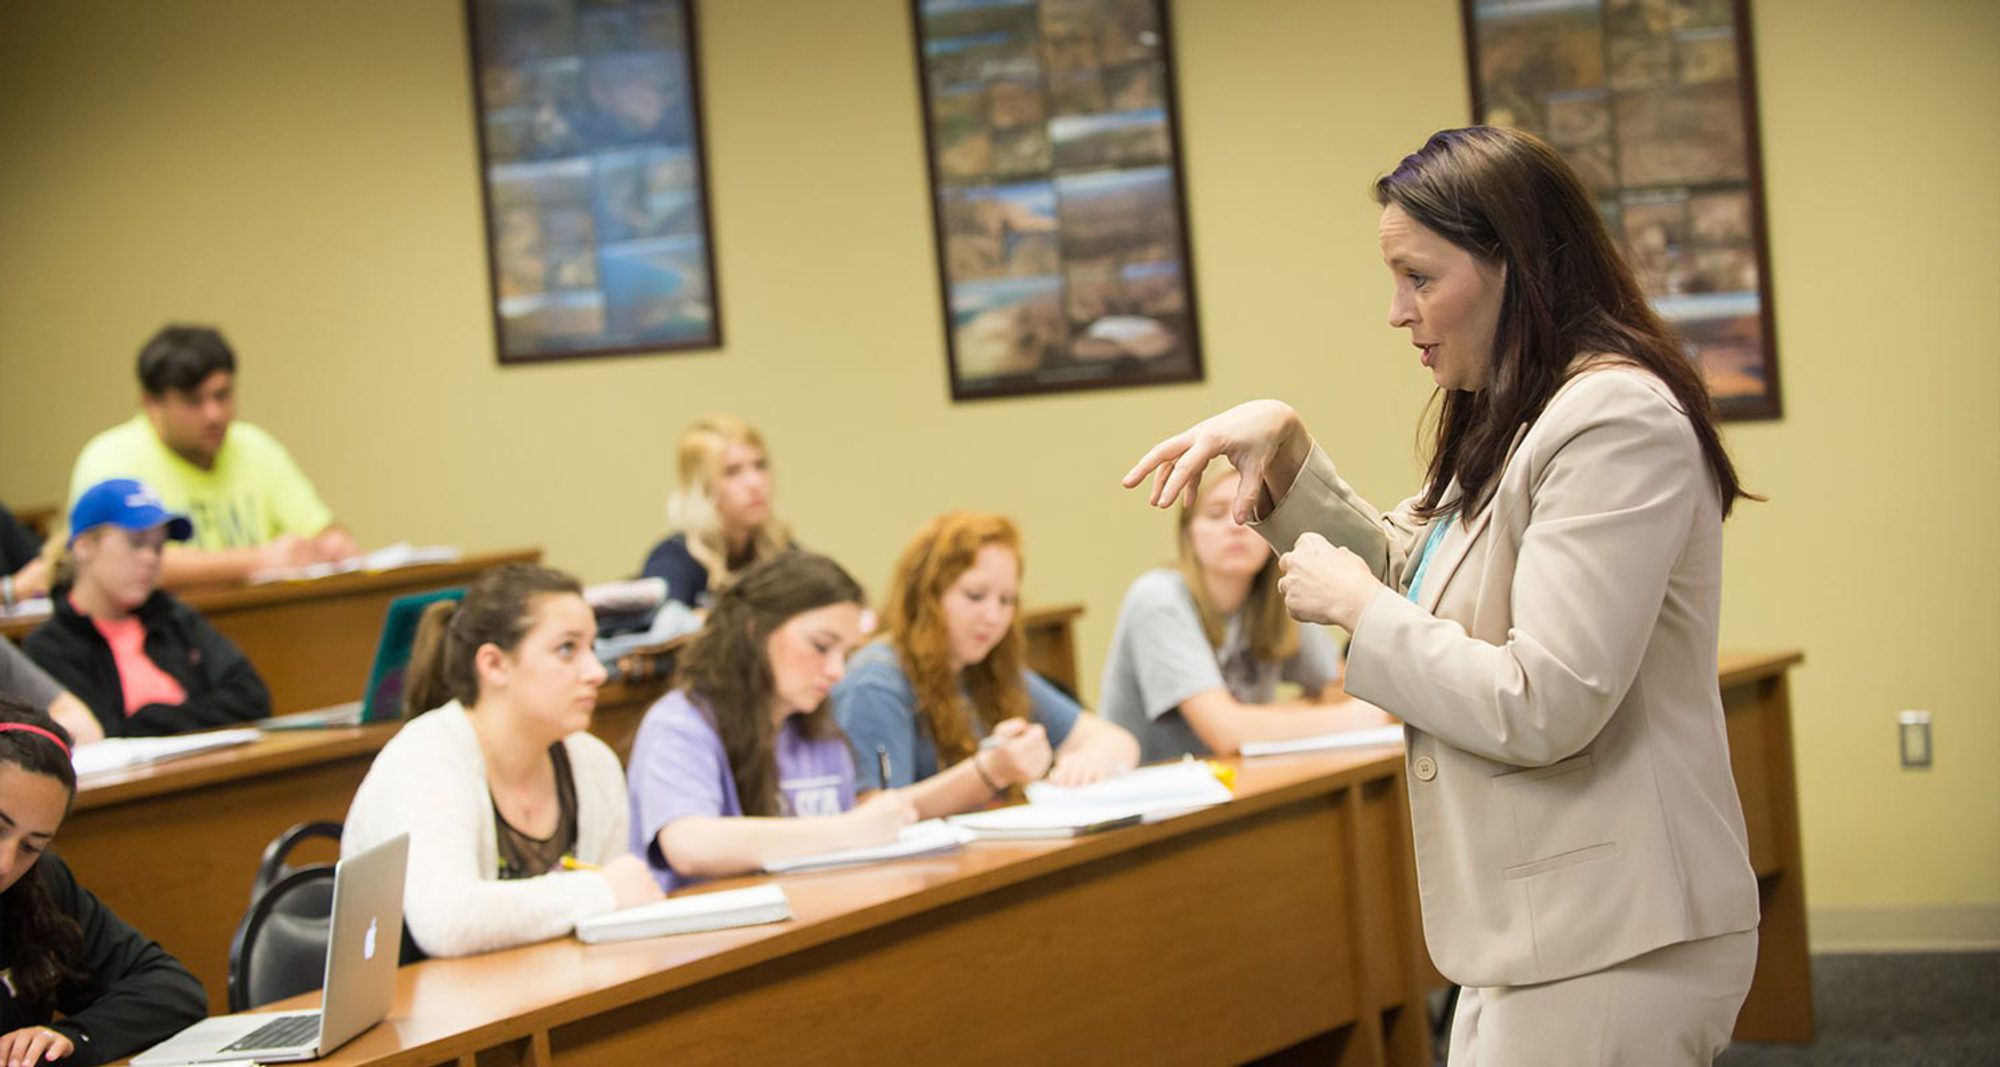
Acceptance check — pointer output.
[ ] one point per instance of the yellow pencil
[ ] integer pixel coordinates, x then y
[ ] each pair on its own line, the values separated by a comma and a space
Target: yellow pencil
571, 863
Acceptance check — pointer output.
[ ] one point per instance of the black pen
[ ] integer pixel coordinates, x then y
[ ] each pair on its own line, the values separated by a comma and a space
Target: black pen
882, 763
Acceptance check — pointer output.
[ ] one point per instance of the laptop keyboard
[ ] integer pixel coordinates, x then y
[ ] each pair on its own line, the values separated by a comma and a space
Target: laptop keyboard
282, 1032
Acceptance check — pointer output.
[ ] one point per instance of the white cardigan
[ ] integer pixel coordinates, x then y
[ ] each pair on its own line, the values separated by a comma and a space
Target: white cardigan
430, 780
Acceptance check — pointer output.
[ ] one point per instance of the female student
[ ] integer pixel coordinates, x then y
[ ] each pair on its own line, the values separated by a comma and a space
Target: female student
1199, 650
742, 762
142, 661
61, 950
722, 506
1542, 615
946, 696
516, 814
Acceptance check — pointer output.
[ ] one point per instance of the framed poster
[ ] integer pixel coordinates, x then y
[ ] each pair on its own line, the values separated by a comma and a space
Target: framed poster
593, 174
1056, 190
1654, 103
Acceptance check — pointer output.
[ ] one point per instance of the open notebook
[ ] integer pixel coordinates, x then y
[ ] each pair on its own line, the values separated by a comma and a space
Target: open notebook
119, 753
719, 910
927, 838
1370, 738
1144, 795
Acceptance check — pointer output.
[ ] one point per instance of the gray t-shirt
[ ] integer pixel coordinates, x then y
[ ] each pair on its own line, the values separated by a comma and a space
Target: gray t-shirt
22, 681
1160, 656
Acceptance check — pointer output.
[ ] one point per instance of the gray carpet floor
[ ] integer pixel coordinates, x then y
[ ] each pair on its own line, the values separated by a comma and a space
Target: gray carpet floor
1929, 1010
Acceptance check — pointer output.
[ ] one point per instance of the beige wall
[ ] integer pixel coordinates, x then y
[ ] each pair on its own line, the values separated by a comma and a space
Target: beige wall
304, 174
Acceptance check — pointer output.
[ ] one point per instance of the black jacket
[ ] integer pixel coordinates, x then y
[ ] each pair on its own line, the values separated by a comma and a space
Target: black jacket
222, 688
134, 995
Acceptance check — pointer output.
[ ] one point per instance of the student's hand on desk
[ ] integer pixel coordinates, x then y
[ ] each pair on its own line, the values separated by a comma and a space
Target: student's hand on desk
284, 552
1083, 768
880, 816
32, 580
1019, 754
70, 712
1324, 583
335, 543
631, 883
33, 1044
1263, 439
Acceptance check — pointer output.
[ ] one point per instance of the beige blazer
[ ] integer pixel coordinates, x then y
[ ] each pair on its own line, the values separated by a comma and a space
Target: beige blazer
1570, 790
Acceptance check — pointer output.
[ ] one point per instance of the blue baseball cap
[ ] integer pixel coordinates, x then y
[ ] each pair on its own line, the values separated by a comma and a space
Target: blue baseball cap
128, 503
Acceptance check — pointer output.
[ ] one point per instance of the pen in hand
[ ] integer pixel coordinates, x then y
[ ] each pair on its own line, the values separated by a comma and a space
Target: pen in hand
882, 764
571, 863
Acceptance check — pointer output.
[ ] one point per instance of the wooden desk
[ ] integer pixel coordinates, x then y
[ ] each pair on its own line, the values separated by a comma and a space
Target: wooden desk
313, 641
1284, 920
188, 887
1757, 705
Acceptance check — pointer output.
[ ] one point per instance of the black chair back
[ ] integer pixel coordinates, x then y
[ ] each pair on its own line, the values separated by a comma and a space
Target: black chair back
272, 867
280, 947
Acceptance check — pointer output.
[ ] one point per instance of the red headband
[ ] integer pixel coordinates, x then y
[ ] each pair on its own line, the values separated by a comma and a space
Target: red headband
33, 729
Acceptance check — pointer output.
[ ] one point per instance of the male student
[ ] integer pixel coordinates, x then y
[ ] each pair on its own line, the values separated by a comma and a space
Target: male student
252, 507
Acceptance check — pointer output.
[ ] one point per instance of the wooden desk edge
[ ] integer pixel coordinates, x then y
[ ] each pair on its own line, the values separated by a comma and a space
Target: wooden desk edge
1354, 770
261, 757
1739, 668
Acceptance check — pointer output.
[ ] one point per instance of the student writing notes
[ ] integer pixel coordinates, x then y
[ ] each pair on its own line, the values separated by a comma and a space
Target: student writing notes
951, 671
253, 509
722, 505
1199, 649
145, 663
61, 950
742, 763
501, 782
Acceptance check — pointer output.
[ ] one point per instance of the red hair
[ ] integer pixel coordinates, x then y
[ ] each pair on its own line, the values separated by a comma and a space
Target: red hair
942, 551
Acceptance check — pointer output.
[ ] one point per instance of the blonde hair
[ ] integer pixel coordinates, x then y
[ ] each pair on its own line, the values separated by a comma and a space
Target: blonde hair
942, 551
1271, 634
691, 506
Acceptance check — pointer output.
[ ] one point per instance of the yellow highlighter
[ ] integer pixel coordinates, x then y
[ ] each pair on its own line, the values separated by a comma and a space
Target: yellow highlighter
571, 863
1224, 773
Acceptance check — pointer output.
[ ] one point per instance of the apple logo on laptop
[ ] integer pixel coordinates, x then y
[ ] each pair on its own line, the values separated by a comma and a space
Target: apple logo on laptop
368, 942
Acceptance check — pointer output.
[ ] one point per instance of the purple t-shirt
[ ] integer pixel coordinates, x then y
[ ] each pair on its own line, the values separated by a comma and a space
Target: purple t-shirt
678, 768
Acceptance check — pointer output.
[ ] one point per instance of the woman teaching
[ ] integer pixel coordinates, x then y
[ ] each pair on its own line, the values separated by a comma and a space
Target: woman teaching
1542, 616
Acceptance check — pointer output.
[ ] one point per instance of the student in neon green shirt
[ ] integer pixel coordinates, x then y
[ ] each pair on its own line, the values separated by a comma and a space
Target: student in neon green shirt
252, 508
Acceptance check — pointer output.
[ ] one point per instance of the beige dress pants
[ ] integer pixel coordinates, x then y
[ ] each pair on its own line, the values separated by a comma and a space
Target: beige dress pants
1672, 1007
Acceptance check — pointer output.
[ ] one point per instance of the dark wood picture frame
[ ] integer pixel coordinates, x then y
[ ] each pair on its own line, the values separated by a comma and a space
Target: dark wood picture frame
593, 178
1053, 147
1595, 78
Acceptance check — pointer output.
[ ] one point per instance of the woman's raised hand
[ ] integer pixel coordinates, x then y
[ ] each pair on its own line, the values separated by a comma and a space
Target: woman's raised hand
1263, 439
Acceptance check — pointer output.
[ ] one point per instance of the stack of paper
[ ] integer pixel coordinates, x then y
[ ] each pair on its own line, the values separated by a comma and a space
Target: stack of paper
1148, 794
688, 915
926, 838
119, 753
393, 557
1370, 738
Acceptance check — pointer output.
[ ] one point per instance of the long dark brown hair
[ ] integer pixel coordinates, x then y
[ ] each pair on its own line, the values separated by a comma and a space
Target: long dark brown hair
914, 617
498, 609
1508, 198
45, 942
727, 671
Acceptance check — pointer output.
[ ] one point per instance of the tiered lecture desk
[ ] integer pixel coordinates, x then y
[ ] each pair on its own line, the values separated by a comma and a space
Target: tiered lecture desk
1285, 920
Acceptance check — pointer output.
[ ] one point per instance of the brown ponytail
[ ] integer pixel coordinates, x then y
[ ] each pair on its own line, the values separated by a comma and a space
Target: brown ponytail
497, 610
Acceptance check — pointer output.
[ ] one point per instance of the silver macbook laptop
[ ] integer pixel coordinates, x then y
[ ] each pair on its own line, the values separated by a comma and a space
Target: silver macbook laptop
363, 942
